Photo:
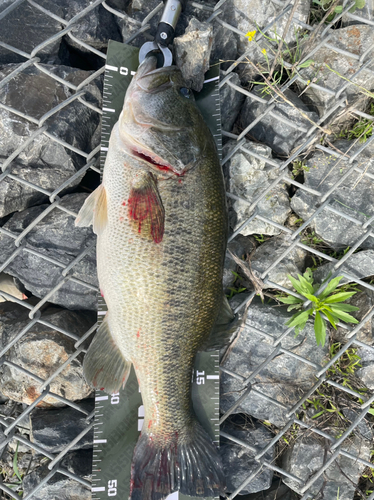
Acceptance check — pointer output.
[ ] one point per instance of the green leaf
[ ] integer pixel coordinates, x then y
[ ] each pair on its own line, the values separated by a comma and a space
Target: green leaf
294, 306
306, 64
299, 328
15, 465
299, 318
311, 297
290, 300
318, 414
308, 287
339, 9
297, 286
329, 317
320, 329
344, 316
308, 275
334, 283
345, 307
339, 297
360, 4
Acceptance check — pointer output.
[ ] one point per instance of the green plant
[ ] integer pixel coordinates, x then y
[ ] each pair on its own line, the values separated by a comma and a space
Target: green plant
311, 239
259, 238
15, 465
233, 290
298, 167
323, 403
346, 365
362, 129
327, 303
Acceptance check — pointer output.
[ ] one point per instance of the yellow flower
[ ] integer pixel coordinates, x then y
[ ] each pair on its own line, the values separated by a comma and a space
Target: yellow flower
308, 82
264, 52
250, 35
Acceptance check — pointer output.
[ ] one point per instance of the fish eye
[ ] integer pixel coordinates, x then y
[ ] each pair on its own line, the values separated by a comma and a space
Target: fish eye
185, 92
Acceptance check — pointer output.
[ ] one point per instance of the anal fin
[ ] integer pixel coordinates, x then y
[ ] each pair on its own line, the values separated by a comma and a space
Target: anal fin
227, 323
104, 365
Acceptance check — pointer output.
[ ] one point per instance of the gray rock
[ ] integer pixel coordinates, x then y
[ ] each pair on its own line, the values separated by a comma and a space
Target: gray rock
133, 17
25, 27
61, 487
120, 5
53, 430
354, 197
44, 162
231, 103
277, 491
271, 130
307, 456
240, 246
355, 39
251, 15
366, 372
267, 253
364, 428
42, 351
15, 196
239, 462
57, 237
248, 177
225, 46
358, 265
95, 28
285, 378
192, 52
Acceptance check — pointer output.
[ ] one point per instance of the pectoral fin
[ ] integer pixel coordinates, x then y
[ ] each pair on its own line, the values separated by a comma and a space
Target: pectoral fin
104, 365
94, 211
146, 212
224, 328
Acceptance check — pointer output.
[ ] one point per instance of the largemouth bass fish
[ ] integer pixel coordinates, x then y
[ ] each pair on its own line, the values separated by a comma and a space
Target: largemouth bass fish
161, 221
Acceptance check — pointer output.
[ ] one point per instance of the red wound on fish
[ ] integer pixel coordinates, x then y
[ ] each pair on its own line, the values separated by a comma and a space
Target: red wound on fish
145, 208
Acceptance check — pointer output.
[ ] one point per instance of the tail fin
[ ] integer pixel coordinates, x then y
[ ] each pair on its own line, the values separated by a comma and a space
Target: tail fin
192, 467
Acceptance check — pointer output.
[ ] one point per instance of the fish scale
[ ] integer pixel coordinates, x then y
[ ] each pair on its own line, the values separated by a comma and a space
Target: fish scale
207, 361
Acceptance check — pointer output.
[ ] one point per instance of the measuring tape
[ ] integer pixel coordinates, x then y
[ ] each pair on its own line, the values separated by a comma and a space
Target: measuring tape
119, 417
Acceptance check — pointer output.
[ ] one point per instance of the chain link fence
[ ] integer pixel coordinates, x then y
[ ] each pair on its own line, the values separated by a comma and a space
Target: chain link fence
334, 103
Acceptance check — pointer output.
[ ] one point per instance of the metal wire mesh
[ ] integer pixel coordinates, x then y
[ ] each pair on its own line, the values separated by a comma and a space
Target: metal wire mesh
336, 105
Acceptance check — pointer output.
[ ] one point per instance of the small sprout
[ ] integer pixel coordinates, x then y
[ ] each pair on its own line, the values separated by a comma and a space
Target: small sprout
259, 238
327, 304
15, 464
